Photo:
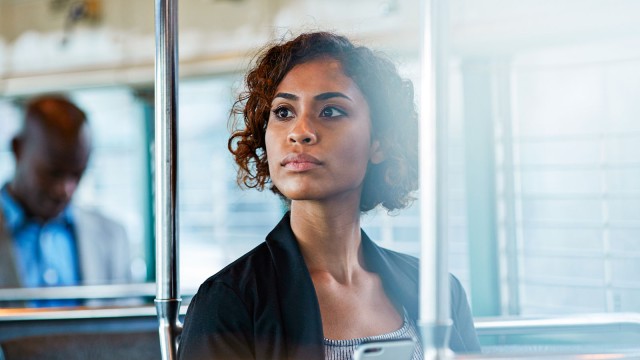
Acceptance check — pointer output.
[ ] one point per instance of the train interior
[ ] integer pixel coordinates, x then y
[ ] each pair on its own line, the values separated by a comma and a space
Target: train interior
542, 159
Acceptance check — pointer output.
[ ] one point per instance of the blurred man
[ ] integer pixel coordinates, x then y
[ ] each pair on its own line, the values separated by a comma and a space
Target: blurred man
45, 241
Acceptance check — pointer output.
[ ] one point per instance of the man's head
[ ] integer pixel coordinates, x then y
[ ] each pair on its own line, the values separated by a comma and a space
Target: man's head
51, 152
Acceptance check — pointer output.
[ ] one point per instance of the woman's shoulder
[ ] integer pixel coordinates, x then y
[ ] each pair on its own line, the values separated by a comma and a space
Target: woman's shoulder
397, 263
244, 272
401, 257
412, 264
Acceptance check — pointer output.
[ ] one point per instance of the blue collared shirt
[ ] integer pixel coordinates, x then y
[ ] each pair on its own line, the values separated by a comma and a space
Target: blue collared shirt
46, 254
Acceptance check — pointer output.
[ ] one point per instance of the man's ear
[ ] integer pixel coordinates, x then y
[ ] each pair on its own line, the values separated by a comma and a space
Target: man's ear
17, 146
376, 155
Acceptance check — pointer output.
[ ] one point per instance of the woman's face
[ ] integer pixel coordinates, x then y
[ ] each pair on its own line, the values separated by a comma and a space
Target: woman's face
318, 137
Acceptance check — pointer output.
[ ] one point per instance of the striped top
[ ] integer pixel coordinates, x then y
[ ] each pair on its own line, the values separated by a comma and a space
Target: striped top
344, 349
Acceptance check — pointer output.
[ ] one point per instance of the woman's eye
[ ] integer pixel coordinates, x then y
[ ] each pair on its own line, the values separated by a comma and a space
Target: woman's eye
283, 112
331, 112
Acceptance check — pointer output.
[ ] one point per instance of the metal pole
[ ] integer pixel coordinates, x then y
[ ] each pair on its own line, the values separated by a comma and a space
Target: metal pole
435, 322
166, 176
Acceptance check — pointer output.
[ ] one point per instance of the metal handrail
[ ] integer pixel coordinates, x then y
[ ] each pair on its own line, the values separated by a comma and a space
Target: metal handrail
578, 322
435, 323
560, 324
30, 314
111, 291
484, 326
166, 176
555, 356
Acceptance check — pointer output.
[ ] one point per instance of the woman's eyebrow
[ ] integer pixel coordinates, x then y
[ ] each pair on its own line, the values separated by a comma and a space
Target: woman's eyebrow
329, 95
287, 96
319, 97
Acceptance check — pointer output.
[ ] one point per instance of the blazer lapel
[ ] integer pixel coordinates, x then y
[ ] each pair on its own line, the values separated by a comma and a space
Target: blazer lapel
399, 278
301, 320
87, 252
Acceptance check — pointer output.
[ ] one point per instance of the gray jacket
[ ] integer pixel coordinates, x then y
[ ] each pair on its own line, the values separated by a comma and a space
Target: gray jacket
103, 251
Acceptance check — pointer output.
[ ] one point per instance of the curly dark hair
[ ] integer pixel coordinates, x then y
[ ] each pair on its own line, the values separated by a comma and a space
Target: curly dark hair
390, 98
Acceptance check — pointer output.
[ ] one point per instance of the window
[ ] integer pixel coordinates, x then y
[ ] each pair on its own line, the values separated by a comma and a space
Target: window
576, 172
114, 182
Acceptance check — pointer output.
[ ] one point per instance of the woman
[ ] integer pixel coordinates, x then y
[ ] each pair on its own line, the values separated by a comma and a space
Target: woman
331, 128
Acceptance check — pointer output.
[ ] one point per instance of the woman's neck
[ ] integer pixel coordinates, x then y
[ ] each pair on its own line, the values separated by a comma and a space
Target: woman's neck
329, 238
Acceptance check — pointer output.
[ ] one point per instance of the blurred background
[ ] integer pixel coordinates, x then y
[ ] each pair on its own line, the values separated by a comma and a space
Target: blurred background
543, 156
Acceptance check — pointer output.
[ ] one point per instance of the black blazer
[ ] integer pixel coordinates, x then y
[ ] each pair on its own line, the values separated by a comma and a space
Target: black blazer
264, 305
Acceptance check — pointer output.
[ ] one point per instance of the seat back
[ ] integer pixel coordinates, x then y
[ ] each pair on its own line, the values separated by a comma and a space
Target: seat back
96, 346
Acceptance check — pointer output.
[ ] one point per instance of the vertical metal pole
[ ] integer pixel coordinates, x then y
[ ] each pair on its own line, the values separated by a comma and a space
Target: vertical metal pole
166, 176
435, 322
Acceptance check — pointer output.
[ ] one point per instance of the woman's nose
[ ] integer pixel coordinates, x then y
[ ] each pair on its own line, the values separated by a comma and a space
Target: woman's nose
303, 132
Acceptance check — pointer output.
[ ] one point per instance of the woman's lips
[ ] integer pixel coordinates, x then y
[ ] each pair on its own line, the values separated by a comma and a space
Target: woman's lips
300, 162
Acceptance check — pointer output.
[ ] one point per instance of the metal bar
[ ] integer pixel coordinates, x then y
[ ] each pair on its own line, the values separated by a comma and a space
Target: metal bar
578, 323
435, 324
554, 356
166, 149
78, 292
484, 326
42, 314
166, 175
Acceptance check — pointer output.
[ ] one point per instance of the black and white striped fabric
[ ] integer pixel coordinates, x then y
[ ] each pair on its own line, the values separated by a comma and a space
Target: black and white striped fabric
344, 349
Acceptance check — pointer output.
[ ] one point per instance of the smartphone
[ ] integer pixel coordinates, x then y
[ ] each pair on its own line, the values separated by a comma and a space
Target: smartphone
385, 350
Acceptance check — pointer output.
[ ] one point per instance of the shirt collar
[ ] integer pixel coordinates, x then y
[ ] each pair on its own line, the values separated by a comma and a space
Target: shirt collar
15, 216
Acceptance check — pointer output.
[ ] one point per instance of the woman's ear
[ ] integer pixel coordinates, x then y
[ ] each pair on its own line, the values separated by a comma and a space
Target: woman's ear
376, 156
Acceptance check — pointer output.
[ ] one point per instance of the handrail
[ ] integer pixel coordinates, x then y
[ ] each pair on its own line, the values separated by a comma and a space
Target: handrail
84, 292
166, 176
559, 324
435, 322
578, 322
554, 356
484, 326
111, 291
39, 314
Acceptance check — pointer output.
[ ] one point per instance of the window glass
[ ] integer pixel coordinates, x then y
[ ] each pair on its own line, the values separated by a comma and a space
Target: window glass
576, 165
218, 221
9, 126
114, 182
